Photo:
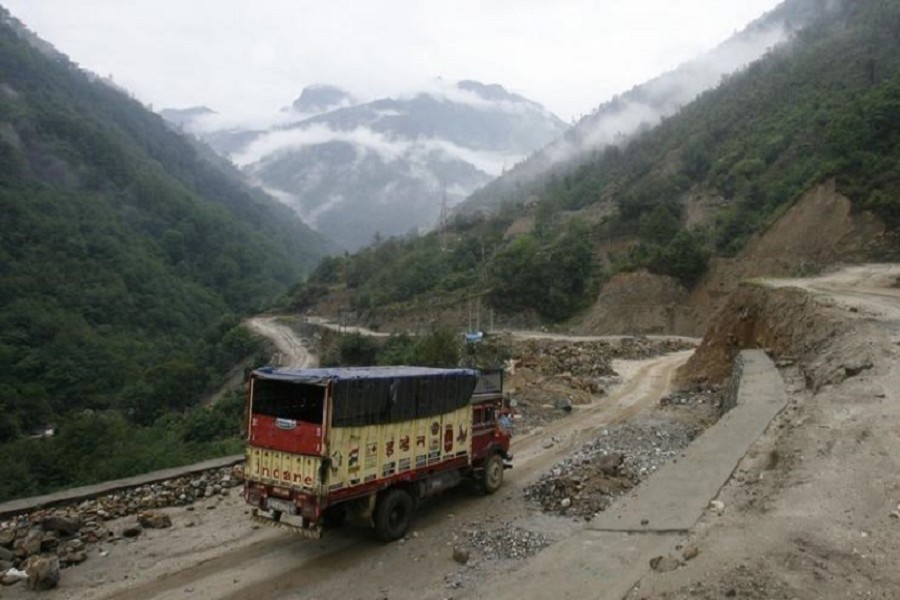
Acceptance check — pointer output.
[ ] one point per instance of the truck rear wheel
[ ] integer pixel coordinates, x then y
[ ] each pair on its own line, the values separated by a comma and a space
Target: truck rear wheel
393, 515
493, 474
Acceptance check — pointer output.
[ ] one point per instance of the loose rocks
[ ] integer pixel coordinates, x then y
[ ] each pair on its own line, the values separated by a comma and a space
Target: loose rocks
67, 530
43, 573
587, 481
664, 564
507, 542
152, 520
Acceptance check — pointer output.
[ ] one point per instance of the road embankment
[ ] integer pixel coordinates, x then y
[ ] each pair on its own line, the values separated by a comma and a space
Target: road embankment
609, 556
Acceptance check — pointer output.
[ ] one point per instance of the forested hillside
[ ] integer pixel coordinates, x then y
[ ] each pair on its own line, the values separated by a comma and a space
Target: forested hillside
619, 119
824, 105
126, 260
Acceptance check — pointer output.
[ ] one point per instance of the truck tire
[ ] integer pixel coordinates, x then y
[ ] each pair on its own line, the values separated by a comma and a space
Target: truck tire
493, 474
393, 515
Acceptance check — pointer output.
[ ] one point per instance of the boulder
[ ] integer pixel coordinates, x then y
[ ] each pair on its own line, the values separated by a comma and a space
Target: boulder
29, 545
49, 541
154, 520
43, 573
66, 526
75, 557
664, 564
7, 537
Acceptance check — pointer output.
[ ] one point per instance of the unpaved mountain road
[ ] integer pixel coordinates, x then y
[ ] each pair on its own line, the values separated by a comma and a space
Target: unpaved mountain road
213, 551
872, 287
519, 334
292, 353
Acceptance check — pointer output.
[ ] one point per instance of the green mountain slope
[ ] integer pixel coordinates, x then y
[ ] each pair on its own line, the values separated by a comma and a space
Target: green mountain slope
125, 257
824, 105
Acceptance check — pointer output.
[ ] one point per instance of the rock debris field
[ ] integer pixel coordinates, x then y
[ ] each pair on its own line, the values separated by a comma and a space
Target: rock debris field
587, 481
36, 545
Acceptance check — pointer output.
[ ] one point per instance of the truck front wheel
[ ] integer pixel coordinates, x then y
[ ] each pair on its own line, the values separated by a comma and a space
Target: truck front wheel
393, 515
493, 473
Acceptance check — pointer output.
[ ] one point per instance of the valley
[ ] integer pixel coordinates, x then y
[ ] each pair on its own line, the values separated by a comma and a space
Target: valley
692, 290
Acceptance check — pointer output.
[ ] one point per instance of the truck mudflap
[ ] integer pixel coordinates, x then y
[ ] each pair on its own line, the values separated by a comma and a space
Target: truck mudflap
311, 532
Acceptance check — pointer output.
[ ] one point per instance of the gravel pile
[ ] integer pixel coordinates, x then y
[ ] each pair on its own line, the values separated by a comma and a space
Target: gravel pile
587, 481
481, 549
506, 543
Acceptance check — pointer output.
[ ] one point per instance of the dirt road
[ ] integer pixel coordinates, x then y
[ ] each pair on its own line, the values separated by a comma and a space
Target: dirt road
872, 287
292, 353
214, 552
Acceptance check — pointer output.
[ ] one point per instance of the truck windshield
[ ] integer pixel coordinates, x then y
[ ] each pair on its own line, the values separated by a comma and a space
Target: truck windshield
289, 400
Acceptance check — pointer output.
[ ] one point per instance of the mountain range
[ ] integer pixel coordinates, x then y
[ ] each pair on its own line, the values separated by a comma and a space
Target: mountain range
356, 170
668, 215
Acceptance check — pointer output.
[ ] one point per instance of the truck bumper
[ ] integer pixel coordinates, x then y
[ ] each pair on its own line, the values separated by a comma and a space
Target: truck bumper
304, 529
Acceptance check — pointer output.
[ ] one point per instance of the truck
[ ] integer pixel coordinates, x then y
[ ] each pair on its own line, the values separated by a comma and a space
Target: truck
368, 443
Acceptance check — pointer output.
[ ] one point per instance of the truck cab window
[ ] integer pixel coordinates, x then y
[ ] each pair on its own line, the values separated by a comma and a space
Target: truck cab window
288, 400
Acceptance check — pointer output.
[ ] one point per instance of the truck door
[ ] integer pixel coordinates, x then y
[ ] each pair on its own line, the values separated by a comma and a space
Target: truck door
484, 424
287, 416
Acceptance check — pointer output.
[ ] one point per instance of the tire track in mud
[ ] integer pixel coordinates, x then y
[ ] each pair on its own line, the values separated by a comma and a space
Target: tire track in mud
232, 562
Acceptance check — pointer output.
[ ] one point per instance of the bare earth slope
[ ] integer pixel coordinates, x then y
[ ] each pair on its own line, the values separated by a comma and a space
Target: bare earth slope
819, 229
812, 510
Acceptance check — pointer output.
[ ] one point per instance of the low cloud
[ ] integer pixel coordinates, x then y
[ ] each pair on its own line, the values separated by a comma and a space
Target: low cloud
648, 104
418, 150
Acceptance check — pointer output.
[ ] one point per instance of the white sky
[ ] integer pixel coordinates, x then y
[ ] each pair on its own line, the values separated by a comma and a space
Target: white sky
252, 57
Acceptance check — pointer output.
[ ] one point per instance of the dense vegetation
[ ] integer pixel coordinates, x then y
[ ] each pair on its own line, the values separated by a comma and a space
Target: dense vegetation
824, 105
441, 347
549, 271
126, 261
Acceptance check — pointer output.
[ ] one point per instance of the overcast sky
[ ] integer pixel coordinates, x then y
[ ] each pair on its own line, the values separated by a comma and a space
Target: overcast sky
251, 57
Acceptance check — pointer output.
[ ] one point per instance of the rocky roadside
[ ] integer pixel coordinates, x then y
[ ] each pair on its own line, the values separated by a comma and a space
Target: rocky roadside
35, 546
584, 483
590, 479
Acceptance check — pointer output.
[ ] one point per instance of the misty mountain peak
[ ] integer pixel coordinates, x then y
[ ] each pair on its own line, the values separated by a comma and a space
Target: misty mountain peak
322, 98
489, 91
